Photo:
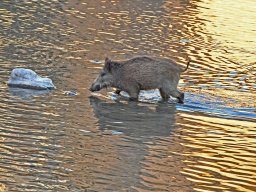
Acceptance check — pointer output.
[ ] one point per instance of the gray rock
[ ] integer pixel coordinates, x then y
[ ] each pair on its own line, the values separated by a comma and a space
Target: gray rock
70, 93
28, 79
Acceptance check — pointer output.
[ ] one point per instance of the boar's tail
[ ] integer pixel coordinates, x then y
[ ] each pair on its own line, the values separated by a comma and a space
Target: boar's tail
187, 65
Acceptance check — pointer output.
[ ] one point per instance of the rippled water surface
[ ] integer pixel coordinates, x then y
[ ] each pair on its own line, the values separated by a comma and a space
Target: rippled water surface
60, 141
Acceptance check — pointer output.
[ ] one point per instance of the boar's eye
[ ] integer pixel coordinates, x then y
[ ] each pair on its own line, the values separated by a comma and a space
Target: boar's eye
103, 74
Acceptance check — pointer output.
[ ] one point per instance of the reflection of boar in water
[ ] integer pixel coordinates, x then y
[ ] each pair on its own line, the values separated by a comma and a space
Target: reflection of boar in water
141, 73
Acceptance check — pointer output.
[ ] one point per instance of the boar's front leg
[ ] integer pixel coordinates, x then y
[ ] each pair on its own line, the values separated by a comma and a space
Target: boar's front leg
133, 92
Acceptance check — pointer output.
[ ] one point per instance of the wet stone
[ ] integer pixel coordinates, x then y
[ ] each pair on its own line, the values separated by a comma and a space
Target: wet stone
28, 79
71, 93
95, 61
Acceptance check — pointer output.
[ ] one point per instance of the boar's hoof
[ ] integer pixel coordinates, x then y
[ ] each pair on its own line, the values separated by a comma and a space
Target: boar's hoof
181, 98
181, 101
117, 92
133, 99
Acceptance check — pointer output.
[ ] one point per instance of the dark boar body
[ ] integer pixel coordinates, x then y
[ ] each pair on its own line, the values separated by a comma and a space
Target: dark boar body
141, 73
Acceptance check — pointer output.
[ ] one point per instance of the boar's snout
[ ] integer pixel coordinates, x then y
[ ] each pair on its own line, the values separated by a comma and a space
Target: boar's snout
94, 88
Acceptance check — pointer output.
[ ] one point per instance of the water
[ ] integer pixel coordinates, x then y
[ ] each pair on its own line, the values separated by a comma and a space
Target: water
72, 140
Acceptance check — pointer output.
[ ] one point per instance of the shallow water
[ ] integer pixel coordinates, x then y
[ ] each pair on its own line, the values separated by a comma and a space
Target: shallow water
72, 140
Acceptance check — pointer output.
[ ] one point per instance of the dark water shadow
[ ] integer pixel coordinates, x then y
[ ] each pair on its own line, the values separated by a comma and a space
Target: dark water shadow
133, 118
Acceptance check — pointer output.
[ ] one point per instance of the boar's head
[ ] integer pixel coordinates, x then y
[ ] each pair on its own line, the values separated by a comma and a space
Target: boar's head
106, 77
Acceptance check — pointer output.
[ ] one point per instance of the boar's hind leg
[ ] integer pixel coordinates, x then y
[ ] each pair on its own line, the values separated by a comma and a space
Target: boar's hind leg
164, 95
179, 95
170, 88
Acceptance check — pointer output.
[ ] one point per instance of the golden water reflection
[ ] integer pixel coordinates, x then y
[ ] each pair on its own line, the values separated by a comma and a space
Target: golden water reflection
232, 26
220, 157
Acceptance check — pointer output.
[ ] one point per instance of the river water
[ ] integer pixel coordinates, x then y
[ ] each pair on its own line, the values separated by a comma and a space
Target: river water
55, 141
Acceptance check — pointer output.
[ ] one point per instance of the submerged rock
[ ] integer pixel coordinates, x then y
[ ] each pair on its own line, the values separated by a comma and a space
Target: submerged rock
28, 79
27, 93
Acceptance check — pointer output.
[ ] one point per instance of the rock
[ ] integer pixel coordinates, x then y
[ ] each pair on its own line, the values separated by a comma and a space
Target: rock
96, 61
184, 41
28, 79
70, 93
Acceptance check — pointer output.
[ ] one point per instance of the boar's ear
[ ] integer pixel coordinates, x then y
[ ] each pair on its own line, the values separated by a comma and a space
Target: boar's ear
111, 65
107, 64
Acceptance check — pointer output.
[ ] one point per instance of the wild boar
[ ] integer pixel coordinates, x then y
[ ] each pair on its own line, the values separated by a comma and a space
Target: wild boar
141, 73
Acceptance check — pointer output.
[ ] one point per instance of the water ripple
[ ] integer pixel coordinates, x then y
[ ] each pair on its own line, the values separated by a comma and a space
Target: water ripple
50, 141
